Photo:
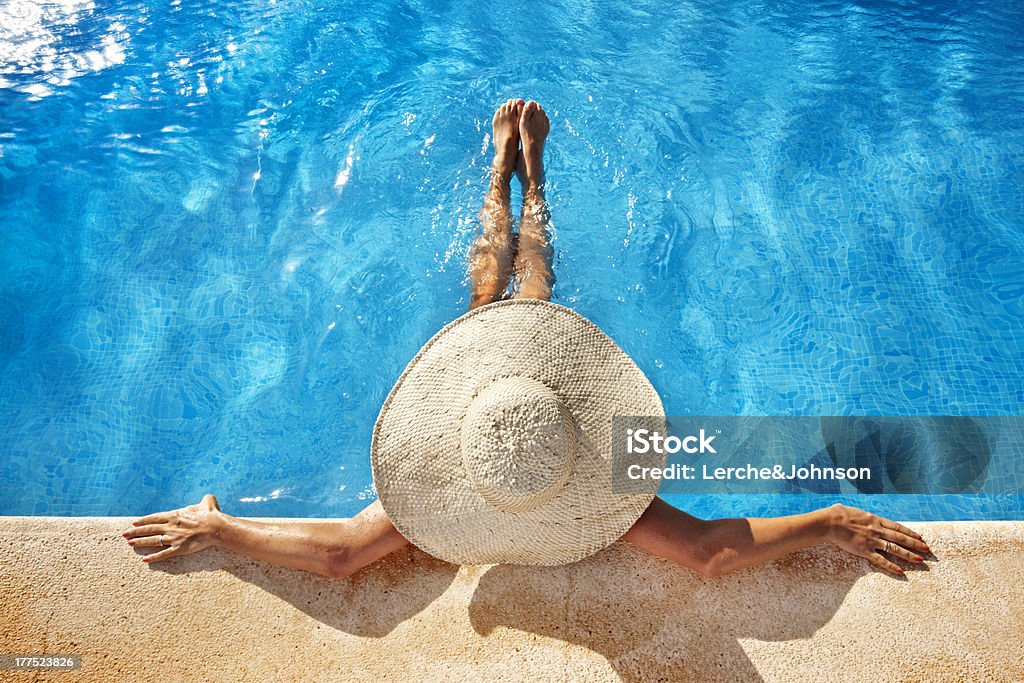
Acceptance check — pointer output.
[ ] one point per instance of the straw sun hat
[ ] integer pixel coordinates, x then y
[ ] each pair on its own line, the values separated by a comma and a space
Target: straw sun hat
494, 446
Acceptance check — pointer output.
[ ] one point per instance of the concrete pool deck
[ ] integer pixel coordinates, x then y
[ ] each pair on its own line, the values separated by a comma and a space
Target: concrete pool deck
72, 585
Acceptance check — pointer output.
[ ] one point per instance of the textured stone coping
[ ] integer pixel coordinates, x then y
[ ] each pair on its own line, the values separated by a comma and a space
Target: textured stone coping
72, 585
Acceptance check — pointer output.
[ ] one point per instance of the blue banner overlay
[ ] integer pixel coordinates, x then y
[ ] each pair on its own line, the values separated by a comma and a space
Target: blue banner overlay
826, 455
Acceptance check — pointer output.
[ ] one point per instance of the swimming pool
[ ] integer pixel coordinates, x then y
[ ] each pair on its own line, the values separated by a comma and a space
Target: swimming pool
229, 226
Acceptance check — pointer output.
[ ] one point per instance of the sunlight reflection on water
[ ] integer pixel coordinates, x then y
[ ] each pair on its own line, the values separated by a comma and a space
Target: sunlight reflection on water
37, 41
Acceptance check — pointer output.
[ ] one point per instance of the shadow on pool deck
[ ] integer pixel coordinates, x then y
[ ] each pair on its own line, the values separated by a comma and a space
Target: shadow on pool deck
397, 589
652, 621
621, 604
71, 585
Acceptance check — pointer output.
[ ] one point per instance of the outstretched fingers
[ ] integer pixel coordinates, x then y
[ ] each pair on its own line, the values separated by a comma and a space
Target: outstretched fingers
904, 541
875, 538
896, 526
893, 540
894, 549
155, 518
136, 534
162, 555
154, 536
182, 531
880, 561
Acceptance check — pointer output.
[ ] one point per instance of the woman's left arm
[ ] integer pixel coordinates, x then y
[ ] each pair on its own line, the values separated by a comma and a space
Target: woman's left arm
332, 549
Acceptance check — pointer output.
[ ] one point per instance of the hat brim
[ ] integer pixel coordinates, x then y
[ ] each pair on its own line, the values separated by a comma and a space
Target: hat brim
416, 456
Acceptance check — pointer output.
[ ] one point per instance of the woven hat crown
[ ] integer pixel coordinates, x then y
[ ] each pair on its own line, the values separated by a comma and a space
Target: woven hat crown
519, 444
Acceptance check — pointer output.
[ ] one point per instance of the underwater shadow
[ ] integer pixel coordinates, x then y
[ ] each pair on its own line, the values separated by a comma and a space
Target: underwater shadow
370, 603
653, 620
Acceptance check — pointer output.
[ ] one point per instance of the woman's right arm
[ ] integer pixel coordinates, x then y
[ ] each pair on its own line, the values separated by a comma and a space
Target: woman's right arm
719, 546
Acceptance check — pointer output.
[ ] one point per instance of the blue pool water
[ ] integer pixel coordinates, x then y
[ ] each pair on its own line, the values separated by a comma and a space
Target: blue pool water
228, 226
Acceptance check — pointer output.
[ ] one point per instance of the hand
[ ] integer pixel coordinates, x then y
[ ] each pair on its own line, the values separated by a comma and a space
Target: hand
184, 531
873, 538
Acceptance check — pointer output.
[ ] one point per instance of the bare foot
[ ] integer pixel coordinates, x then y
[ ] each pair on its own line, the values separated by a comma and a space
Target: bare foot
506, 138
533, 130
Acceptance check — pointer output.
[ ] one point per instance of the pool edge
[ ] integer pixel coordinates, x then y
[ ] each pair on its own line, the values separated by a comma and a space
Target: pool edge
72, 585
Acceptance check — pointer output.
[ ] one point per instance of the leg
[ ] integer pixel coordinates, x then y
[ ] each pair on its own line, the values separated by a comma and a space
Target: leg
532, 260
490, 261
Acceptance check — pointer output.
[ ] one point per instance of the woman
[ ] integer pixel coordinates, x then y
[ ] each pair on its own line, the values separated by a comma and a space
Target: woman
502, 260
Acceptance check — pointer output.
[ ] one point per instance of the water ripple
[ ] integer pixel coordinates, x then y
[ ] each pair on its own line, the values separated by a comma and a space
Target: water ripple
230, 225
